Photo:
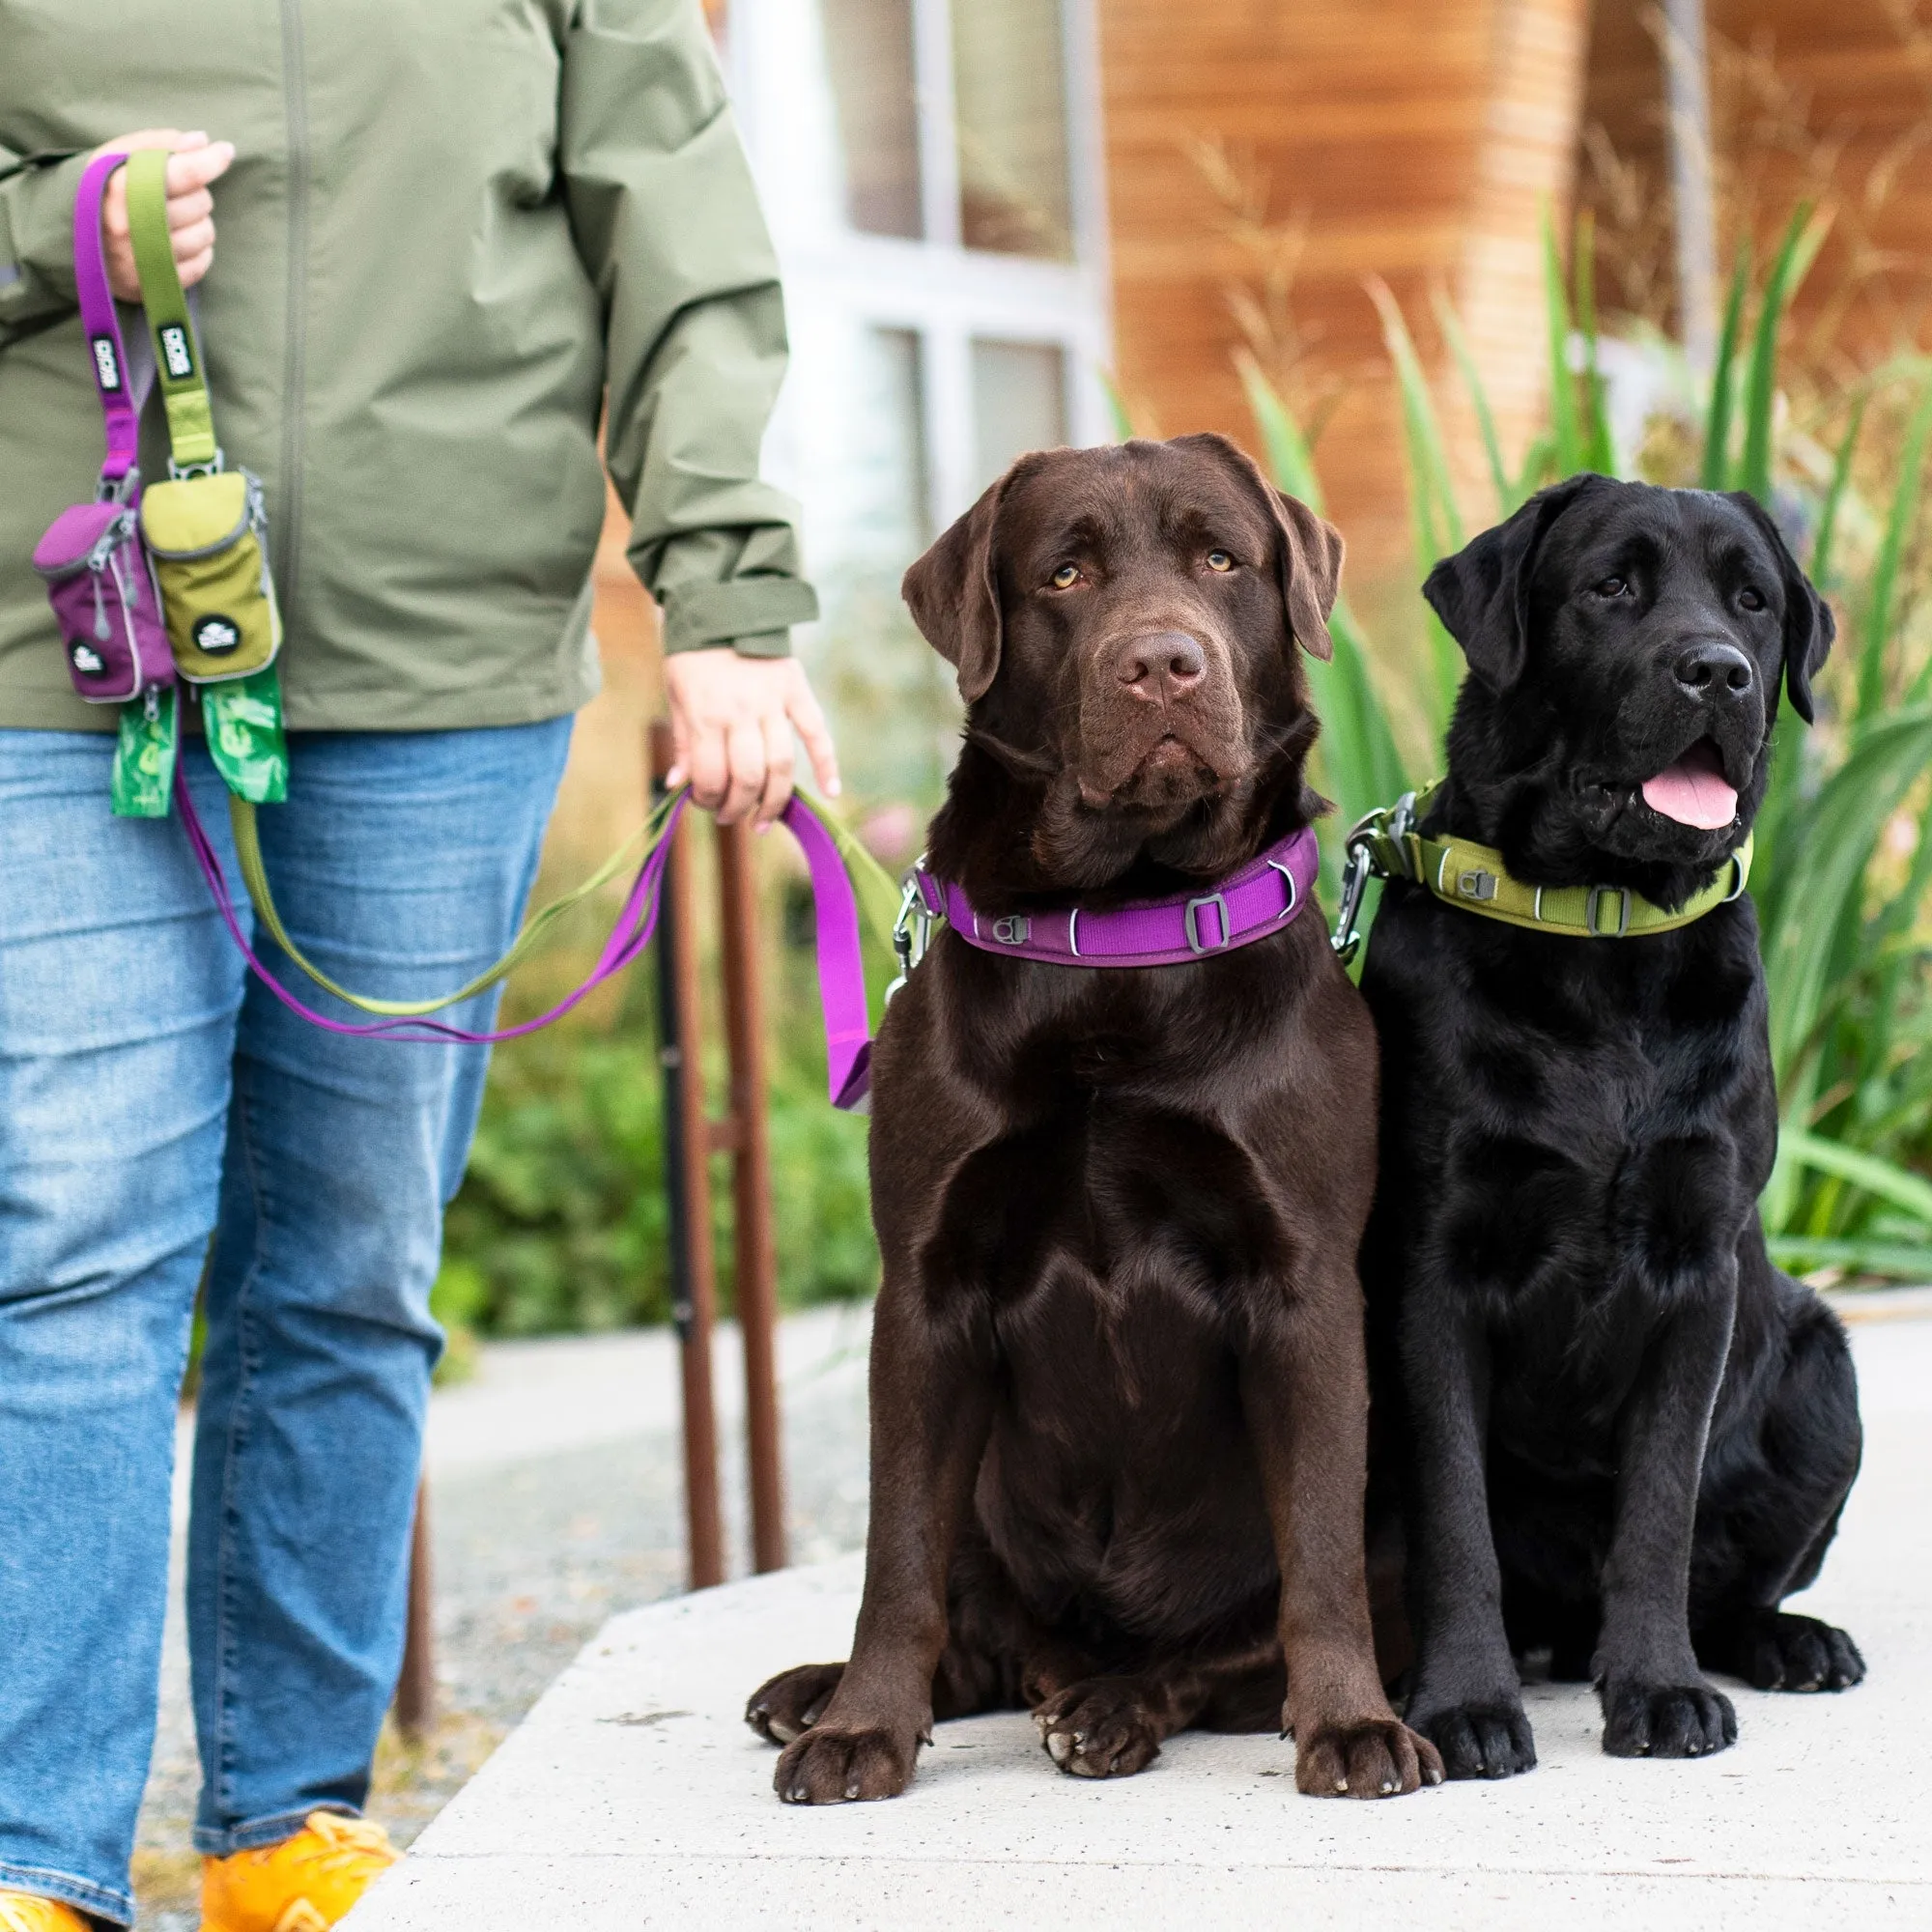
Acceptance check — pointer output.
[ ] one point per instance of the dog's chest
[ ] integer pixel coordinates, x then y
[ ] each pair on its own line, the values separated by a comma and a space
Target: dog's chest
1122, 1199
1596, 1123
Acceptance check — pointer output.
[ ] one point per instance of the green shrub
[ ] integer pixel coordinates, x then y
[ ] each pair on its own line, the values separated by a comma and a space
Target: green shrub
561, 1222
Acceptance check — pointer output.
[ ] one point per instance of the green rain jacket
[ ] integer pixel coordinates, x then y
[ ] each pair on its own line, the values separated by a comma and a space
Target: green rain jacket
450, 227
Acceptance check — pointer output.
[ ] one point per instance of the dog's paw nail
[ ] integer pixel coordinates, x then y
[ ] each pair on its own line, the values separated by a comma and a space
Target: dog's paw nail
1079, 1737
1060, 1747
1432, 1777
1340, 1785
852, 1789
1388, 1785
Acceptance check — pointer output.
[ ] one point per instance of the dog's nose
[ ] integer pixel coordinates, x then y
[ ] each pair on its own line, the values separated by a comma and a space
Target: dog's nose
1165, 664
1714, 670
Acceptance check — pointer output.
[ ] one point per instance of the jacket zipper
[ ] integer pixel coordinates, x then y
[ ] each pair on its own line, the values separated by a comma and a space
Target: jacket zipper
295, 363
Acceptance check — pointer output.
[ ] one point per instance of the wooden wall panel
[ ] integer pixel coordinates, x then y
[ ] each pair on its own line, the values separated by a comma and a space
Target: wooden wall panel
1412, 137
1819, 97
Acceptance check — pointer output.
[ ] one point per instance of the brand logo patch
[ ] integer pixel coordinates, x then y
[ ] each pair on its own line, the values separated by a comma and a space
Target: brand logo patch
175, 355
214, 634
107, 364
87, 661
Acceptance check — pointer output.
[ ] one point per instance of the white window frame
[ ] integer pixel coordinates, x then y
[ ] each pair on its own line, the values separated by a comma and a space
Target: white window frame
947, 294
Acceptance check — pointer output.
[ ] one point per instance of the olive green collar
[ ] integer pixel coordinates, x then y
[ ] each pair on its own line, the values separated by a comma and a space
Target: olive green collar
1462, 873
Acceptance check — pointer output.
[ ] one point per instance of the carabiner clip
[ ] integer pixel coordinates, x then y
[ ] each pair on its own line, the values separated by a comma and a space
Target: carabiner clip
912, 929
1387, 825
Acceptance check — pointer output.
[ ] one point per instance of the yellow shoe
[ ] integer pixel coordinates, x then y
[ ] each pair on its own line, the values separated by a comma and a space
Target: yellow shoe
27, 1912
304, 1884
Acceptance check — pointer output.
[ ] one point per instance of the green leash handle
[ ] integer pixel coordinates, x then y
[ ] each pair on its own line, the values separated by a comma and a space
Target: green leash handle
875, 893
255, 876
176, 352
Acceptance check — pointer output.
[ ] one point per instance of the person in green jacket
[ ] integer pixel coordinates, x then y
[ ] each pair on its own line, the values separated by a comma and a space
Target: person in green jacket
433, 249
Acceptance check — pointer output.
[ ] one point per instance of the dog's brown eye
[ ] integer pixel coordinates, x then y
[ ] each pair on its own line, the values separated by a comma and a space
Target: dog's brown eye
1220, 559
1750, 600
1612, 587
1066, 577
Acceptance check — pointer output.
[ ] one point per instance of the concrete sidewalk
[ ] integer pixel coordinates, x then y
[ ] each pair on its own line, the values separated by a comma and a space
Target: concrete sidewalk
633, 1796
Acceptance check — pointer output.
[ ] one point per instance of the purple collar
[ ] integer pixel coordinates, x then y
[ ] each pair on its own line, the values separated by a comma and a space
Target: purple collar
1262, 897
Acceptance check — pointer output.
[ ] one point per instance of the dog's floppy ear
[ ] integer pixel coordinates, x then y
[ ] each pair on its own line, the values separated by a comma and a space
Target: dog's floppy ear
1482, 593
1310, 564
1808, 624
953, 594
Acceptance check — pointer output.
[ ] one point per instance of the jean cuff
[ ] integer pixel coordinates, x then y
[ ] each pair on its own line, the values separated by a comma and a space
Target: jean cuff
79, 1892
260, 1832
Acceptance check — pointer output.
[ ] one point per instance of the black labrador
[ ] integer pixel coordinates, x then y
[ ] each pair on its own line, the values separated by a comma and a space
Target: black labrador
1614, 1429
1119, 1393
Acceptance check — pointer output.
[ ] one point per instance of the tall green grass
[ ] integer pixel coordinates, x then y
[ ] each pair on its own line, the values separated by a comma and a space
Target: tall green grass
1845, 840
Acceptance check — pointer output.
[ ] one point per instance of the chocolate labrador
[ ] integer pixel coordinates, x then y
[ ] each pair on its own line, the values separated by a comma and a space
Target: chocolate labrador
1119, 1392
1620, 1432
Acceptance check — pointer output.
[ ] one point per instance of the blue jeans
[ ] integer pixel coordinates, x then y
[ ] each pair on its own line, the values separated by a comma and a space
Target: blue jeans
153, 1095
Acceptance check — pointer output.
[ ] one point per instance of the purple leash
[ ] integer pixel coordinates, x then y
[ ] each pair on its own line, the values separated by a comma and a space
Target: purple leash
113, 377
841, 979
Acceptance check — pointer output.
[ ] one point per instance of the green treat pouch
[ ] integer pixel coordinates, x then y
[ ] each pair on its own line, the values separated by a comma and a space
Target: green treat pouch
207, 534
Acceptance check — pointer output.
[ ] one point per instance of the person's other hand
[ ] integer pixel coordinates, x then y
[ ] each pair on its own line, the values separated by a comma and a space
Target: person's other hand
732, 720
196, 161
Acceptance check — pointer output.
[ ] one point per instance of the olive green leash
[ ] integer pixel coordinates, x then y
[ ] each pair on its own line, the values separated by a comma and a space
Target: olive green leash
1387, 845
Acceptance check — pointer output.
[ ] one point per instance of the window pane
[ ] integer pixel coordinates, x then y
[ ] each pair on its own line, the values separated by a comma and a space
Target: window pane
891, 527
1010, 78
869, 48
890, 696
1019, 403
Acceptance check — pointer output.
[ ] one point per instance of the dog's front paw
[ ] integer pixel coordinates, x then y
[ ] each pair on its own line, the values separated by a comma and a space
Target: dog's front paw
828, 1766
786, 1705
1480, 1740
1643, 1719
1098, 1728
1773, 1651
1378, 1758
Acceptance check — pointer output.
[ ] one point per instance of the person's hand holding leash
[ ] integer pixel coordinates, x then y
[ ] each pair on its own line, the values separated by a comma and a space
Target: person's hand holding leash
197, 162
732, 720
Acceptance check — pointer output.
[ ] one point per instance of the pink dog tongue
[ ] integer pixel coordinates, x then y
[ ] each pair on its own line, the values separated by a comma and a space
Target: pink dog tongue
1693, 791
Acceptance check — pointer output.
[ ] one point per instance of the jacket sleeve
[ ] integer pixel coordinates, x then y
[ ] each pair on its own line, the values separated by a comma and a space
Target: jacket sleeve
36, 239
669, 227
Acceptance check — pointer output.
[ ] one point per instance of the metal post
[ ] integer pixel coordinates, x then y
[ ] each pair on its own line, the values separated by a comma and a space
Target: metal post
1688, 90
686, 1141
415, 1687
757, 1264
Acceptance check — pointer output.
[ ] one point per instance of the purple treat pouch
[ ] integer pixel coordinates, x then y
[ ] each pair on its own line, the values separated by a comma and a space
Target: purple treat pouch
102, 587
100, 580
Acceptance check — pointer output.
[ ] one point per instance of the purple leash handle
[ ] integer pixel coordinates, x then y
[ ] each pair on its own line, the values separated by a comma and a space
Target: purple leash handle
842, 979
842, 972
113, 378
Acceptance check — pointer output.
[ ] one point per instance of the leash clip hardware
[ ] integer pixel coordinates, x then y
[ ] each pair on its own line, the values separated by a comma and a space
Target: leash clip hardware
180, 472
912, 929
1391, 823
